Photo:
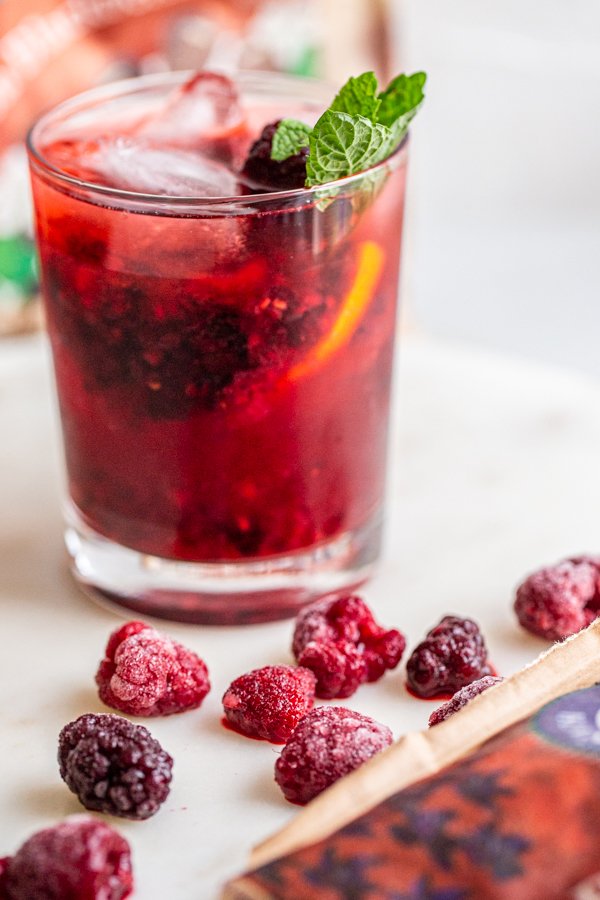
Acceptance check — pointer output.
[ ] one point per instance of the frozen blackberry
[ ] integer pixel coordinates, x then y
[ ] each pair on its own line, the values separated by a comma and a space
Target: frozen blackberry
340, 641
560, 600
452, 655
269, 174
78, 859
269, 702
114, 766
329, 742
462, 697
145, 673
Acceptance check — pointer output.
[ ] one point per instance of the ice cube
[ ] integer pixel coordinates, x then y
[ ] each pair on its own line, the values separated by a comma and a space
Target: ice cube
204, 110
131, 164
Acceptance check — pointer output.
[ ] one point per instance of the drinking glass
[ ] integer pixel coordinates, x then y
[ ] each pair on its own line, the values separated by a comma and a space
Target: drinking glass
222, 362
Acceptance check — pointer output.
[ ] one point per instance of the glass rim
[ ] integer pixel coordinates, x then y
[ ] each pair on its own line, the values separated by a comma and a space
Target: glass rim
124, 86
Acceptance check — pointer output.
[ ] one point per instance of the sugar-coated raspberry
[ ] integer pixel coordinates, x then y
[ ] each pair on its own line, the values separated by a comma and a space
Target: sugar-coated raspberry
328, 743
145, 673
341, 642
269, 702
560, 600
452, 655
462, 697
78, 859
114, 766
270, 174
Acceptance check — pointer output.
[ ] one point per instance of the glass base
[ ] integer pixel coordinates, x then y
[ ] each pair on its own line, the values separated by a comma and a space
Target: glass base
228, 593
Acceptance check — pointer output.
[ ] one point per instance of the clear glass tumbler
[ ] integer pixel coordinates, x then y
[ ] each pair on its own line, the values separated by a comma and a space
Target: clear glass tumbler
222, 362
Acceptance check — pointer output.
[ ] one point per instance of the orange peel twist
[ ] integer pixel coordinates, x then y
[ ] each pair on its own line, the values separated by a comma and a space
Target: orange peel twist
368, 272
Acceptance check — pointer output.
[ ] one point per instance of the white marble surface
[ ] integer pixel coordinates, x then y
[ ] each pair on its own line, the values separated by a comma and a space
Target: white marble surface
494, 472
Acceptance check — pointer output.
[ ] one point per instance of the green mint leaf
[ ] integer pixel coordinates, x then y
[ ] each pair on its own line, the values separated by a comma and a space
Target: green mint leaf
401, 99
291, 136
399, 129
360, 129
342, 144
358, 97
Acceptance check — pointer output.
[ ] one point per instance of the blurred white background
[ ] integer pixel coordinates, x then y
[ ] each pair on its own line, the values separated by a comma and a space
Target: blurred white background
503, 243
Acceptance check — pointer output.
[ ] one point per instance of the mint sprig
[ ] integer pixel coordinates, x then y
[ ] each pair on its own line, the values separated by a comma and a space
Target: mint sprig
358, 97
290, 137
402, 97
361, 128
343, 144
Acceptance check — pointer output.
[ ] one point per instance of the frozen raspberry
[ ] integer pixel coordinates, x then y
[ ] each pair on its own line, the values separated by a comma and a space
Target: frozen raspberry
269, 174
329, 742
114, 766
339, 667
560, 600
341, 642
78, 859
462, 697
452, 655
145, 673
4, 861
121, 634
269, 702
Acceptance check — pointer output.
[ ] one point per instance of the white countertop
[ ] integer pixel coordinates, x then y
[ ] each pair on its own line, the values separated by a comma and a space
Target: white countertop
494, 472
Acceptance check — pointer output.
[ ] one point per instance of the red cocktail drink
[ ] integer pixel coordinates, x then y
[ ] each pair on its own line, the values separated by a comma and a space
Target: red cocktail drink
222, 356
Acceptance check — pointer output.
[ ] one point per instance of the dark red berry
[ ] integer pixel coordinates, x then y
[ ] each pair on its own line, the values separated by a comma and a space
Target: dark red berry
268, 174
4, 861
462, 697
269, 702
341, 642
452, 655
114, 766
329, 742
560, 600
339, 667
78, 859
145, 673
169, 359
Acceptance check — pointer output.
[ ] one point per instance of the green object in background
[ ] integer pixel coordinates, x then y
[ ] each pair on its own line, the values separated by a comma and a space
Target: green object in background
307, 63
18, 268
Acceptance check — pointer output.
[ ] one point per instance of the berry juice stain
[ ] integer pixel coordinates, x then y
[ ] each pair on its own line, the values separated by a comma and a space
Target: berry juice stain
229, 726
434, 698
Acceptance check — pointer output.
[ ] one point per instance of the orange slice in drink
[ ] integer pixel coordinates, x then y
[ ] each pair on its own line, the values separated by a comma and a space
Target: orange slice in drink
368, 271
